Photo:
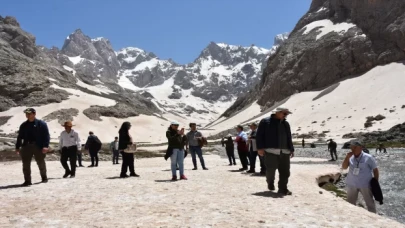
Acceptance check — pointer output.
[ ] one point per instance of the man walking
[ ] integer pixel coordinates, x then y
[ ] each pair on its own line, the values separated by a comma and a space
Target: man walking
362, 168
69, 144
114, 150
193, 138
332, 149
253, 151
93, 145
243, 151
33, 139
274, 142
79, 157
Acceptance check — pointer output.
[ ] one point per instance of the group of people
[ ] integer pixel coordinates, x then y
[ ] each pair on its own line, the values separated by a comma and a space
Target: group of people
271, 141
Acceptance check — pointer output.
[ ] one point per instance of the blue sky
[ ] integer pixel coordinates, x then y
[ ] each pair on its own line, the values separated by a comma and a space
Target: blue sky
177, 29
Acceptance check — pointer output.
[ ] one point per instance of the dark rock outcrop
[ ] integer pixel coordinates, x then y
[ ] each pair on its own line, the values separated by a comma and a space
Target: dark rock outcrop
62, 115
311, 59
118, 111
396, 134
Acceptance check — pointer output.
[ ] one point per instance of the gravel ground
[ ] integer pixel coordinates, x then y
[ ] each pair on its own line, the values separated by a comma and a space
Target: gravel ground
219, 197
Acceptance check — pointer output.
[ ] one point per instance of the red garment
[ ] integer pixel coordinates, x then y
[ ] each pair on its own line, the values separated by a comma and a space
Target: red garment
242, 146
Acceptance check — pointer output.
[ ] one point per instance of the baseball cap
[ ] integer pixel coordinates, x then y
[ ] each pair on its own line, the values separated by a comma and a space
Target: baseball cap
283, 109
174, 123
356, 142
29, 110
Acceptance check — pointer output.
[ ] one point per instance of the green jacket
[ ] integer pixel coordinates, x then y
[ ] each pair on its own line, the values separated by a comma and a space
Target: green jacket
175, 140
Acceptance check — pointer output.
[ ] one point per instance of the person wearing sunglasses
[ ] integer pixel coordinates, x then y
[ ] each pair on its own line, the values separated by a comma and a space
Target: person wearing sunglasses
274, 142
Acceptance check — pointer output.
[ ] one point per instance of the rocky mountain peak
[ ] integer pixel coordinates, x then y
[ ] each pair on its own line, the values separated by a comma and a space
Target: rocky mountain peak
10, 21
281, 38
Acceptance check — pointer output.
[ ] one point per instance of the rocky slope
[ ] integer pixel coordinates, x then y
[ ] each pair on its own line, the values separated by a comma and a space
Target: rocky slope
334, 40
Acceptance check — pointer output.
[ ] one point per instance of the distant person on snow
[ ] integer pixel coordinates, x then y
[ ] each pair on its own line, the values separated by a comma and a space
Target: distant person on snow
243, 151
303, 143
380, 148
69, 145
332, 145
195, 139
274, 142
125, 144
253, 151
115, 152
176, 147
230, 149
362, 169
93, 145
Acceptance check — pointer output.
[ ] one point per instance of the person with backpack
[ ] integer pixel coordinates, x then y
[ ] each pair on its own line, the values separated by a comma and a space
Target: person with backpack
243, 151
125, 142
196, 141
230, 149
93, 145
115, 152
175, 149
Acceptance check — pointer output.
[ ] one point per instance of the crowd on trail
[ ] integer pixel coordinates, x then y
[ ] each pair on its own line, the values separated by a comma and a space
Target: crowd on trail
270, 141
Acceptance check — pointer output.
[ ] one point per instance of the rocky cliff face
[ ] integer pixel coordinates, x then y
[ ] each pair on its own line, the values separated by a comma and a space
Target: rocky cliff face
336, 39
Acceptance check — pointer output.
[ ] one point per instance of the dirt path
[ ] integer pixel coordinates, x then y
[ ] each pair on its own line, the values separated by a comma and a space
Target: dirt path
217, 198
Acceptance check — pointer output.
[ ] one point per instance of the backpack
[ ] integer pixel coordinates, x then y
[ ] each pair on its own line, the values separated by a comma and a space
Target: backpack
202, 142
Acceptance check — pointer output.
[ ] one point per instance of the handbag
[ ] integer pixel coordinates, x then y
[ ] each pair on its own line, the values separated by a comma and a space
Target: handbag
131, 149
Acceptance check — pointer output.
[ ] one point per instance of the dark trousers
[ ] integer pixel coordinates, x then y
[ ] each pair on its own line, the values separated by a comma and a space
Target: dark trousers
26, 154
127, 162
333, 152
280, 162
79, 158
253, 156
116, 154
71, 154
196, 150
94, 157
231, 155
243, 157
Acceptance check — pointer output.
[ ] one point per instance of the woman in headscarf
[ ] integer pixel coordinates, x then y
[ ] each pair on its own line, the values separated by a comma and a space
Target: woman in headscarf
230, 149
176, 147
124, 142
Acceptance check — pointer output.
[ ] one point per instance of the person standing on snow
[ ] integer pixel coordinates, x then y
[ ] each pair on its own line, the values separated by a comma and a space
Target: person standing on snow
193, 137
253, 151
125, 142
274, 142
115, 152
243, 151
230, 149
69, 144
332, 149
93, 145
176, 147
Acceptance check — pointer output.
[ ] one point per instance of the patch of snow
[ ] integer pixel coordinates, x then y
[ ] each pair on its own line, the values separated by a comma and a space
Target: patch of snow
147, 64
124, 82
69, 69
326, 26
97, 89
75, 60
321, 9
97, 39
52, 79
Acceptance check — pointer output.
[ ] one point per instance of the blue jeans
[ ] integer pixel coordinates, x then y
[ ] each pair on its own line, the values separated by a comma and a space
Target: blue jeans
177, 158
197, 150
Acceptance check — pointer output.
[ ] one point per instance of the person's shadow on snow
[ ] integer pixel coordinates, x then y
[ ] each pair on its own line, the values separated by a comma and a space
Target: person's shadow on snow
268, 194
164, 181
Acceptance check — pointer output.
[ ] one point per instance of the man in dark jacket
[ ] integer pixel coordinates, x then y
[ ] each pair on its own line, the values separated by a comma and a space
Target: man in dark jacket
253, 151
274, 142
93, 145
332, 149
33, 138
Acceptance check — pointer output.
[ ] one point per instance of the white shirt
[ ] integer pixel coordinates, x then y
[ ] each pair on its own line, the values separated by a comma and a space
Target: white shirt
116, 145
69, 139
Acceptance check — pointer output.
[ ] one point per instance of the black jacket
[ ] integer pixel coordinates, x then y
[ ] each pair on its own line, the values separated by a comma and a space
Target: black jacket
124, 140
229, 144
267, 133
376, 190
93, 143
42, 136
175, 140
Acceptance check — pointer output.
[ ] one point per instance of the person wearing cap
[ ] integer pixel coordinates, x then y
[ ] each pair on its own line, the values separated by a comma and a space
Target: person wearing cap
93, 145
362, 169
230, 149
115, 151
193, 137
253, 151
274, 142
332, 145
69, 144
243, 150
33, 140
176, 147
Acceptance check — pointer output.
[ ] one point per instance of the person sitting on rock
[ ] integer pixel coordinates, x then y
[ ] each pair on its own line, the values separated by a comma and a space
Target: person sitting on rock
380, 148
362, 168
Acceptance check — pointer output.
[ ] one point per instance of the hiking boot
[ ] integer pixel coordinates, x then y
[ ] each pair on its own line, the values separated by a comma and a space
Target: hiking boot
182, 177
44, 180
205, 168
262, 173
234, 163
90, 166
271, 187
72, 176
284, 192
66, 175
26, 184
195, 168
230, 164
133, 175
174, 178
124, 176
81, 165
242, 169
251, 171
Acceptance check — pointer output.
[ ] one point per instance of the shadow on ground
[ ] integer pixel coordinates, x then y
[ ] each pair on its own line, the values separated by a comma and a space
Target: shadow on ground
268, 194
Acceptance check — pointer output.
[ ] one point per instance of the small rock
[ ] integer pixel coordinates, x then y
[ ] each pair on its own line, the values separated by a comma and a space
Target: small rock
320, 192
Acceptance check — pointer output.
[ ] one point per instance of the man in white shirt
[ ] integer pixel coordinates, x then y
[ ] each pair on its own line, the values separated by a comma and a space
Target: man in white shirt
69, 144
115, 151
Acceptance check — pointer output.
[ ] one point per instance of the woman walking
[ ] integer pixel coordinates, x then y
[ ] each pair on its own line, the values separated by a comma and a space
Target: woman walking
124, 142
176, 147
230, 150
